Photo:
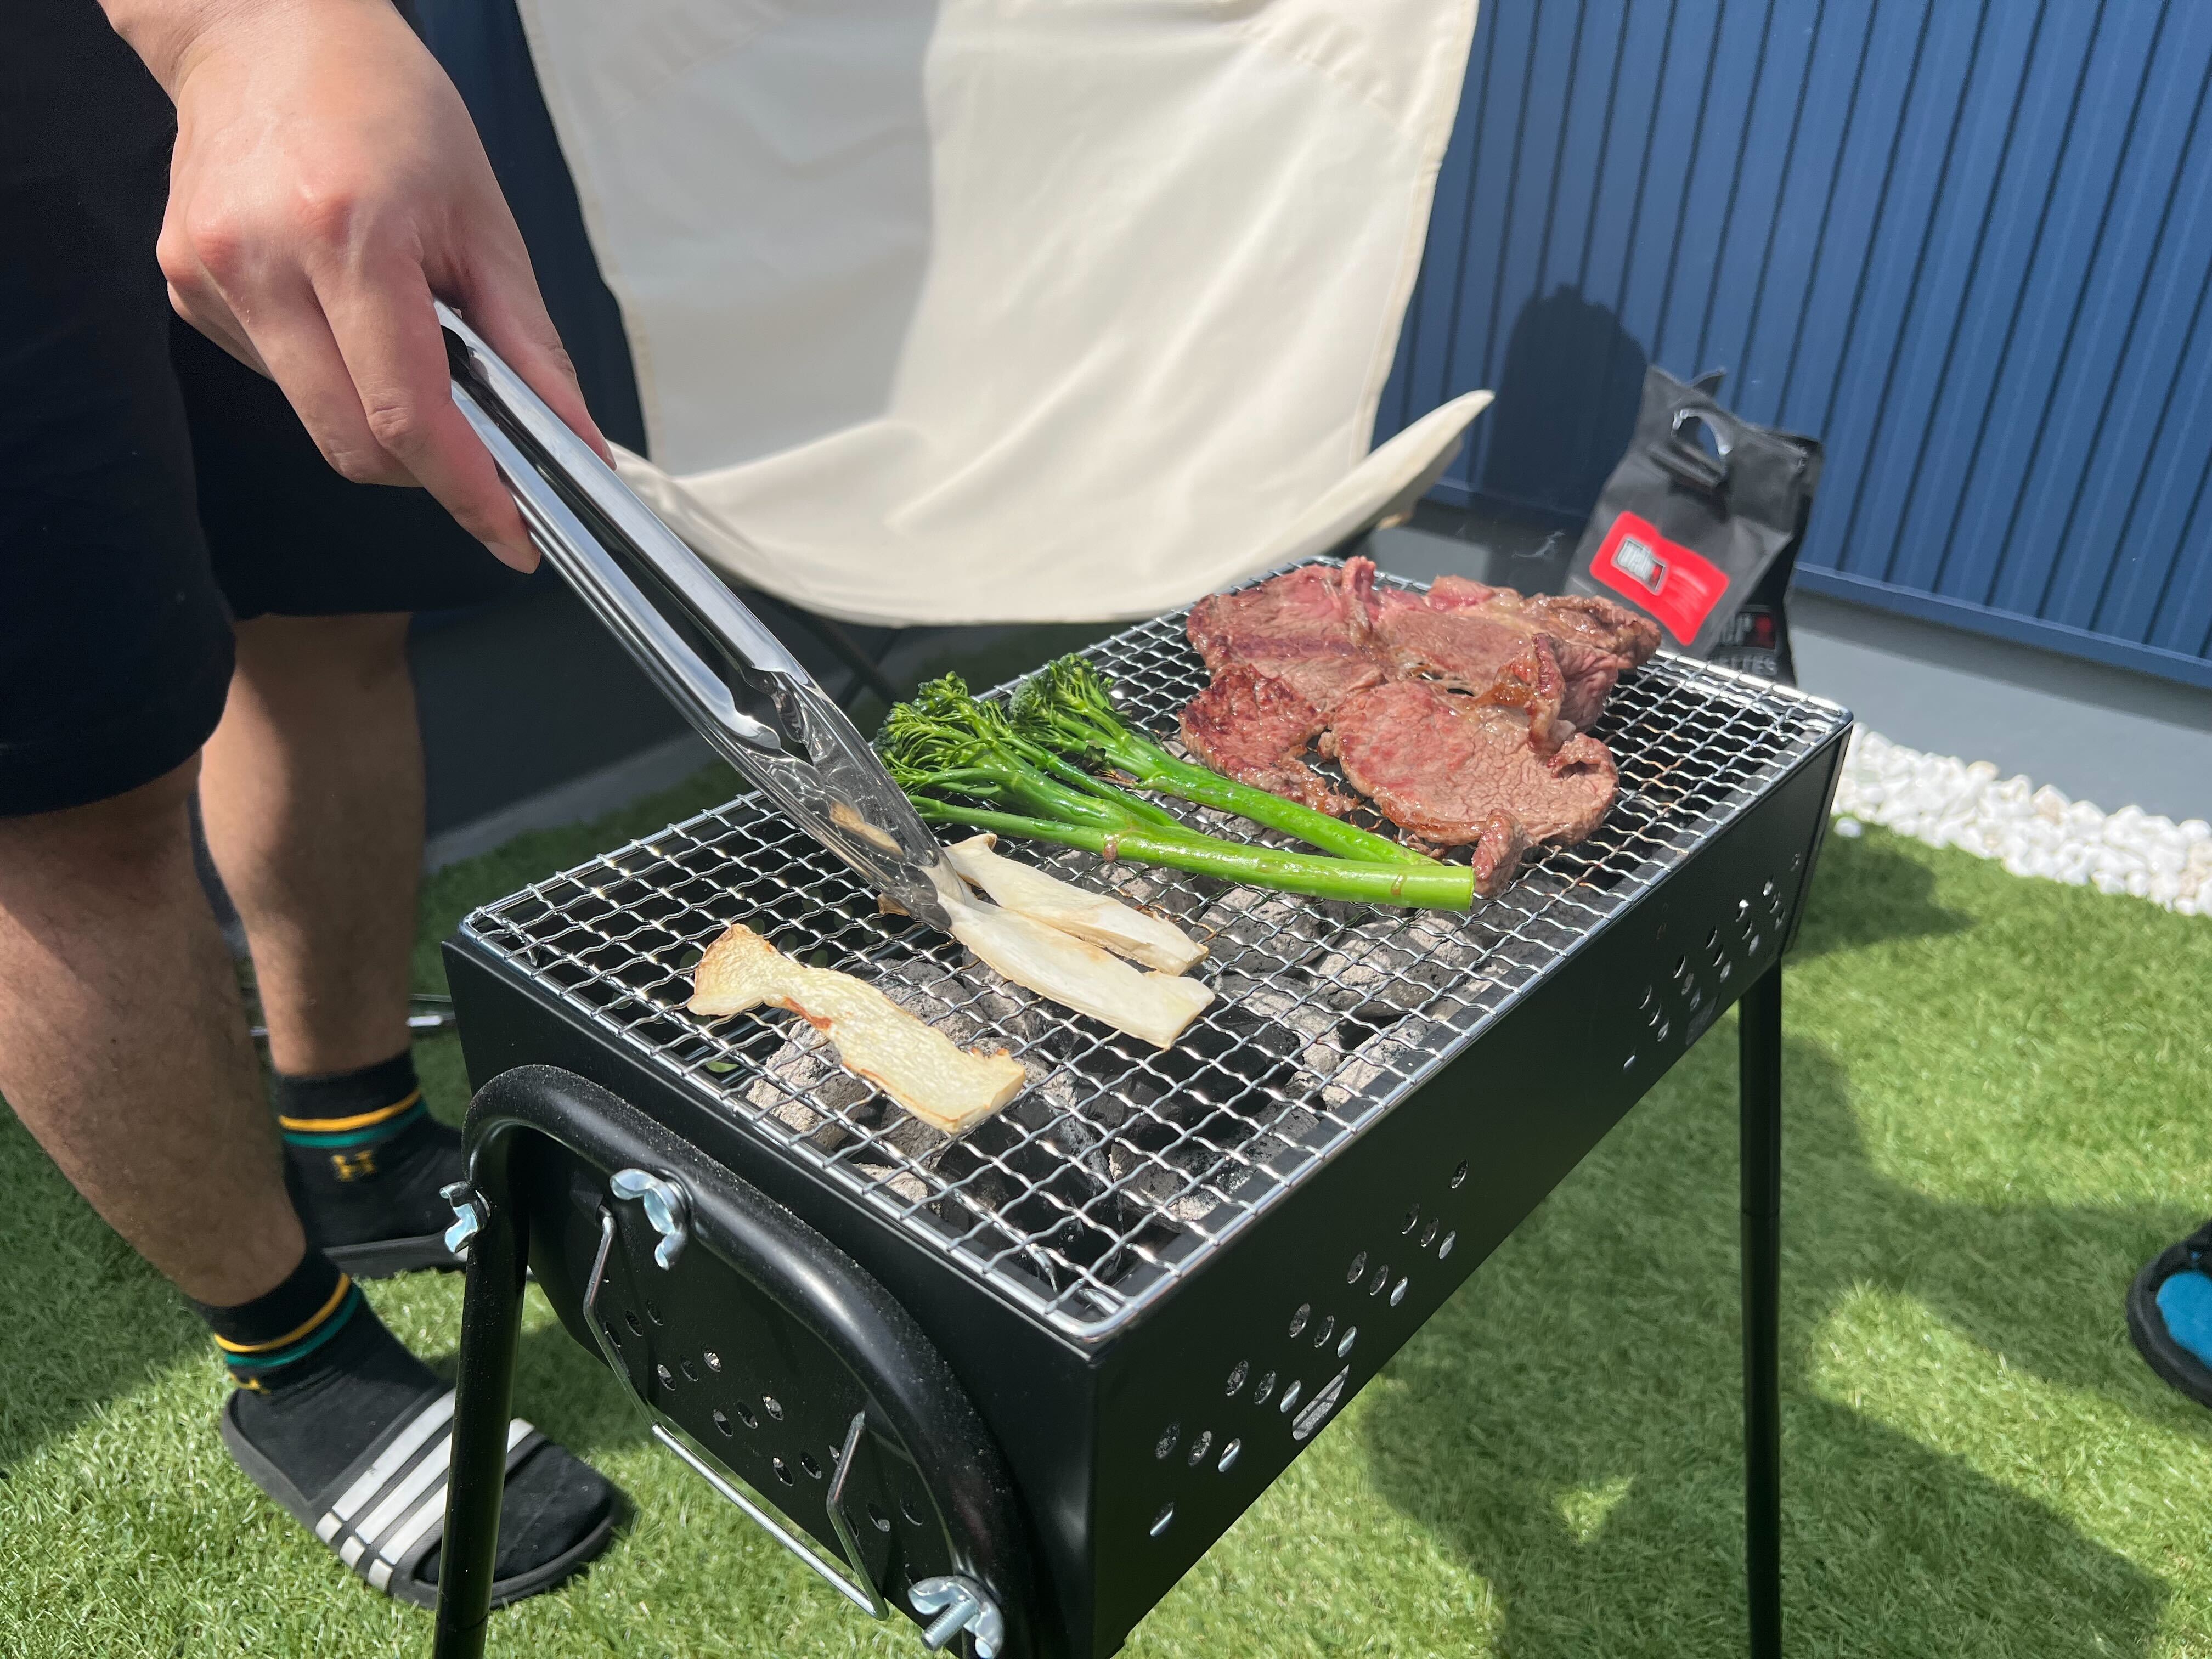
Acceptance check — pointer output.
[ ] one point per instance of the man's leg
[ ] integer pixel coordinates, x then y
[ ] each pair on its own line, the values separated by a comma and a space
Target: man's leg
312, 798
122, 1047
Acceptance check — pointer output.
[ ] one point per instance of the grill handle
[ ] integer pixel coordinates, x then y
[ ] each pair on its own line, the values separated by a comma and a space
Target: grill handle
921, 1404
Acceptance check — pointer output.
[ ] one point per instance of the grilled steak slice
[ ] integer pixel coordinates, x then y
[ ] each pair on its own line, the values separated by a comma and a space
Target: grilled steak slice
1454, 770
1584, 618
1254, 727
1534, 683
1465, 635
1310, 628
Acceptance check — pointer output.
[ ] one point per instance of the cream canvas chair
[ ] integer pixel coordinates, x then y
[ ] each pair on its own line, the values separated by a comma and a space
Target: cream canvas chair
996, 310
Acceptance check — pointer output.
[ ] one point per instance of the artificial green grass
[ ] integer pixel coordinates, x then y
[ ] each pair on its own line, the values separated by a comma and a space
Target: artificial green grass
1998, 1094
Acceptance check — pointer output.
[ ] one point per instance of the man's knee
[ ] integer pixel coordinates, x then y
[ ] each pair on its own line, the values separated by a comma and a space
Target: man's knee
303, 656
112, 842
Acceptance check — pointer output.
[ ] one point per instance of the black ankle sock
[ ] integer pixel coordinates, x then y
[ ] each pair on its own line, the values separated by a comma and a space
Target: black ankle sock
363, 1156
326, 1379
324, 1374
291, 1335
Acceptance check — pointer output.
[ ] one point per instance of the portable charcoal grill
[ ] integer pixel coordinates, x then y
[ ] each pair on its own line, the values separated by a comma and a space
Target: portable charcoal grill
1014, 1385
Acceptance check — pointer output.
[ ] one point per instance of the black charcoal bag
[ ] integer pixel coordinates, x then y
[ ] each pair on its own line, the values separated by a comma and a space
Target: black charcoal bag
1698, 527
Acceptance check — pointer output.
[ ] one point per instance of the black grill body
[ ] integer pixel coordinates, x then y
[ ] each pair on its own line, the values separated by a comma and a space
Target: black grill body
1132, 1443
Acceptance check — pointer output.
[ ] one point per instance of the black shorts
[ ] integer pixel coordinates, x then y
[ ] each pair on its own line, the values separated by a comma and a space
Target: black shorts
152, 489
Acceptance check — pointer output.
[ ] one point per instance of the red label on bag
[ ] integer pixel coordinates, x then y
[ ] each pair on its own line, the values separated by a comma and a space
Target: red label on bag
1677, 586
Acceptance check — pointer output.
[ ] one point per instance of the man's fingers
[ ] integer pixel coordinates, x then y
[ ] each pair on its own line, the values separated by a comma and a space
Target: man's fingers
215, 286
508, 312
219, 327
389, 338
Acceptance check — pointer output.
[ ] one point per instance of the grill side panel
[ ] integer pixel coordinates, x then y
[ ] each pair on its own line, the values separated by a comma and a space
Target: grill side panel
1035, 1390
1372, 1243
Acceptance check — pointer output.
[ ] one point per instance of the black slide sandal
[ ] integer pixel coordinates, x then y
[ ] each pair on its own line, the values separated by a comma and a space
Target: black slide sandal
386, 1512
2175, 1366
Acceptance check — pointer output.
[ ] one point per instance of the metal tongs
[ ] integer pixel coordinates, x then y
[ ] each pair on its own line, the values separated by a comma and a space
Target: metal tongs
708, 655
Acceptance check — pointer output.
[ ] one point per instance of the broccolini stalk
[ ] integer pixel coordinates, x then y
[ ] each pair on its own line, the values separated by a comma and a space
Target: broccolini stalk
1066, 709
1437, 887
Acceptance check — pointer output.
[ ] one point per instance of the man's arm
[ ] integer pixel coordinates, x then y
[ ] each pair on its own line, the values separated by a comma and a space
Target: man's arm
327, 183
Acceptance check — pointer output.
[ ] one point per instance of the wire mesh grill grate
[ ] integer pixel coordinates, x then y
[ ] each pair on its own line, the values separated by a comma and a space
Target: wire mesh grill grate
1120, 1167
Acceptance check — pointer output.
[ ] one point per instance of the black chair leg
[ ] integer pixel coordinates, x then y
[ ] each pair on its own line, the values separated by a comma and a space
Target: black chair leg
1759, 1082
865, 670
491, 1321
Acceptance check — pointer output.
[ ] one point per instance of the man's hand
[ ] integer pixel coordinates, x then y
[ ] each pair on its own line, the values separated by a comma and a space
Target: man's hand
327, 182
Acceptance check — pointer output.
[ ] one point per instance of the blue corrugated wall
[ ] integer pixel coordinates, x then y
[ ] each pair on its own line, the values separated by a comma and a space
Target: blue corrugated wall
1968, 243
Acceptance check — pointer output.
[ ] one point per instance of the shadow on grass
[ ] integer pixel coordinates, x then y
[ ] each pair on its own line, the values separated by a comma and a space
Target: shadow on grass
1569, 1423
1870, 892
571, 1394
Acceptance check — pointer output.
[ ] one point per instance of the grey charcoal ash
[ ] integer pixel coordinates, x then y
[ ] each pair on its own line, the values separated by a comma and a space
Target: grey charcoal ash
965, 1001
1315, 1025
904, 1182
1258, 934
802, 1087
1158, 1186
1400, 965
1377, 1067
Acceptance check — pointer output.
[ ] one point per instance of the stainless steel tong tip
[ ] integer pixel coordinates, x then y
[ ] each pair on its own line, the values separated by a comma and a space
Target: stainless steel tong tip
631, 571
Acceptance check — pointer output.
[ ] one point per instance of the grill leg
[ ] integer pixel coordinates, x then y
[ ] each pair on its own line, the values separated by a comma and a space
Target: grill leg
1760, 1081
491, 1320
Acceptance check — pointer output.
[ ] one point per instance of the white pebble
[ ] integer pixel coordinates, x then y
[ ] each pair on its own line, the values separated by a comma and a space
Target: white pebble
2031, 831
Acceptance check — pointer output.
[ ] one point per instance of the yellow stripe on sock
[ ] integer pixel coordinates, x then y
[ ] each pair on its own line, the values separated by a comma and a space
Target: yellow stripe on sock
335, 1125
345, 1284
